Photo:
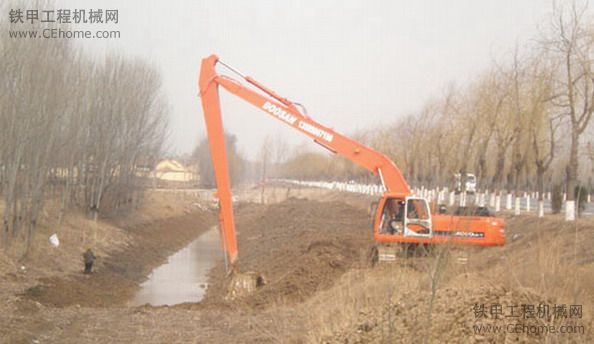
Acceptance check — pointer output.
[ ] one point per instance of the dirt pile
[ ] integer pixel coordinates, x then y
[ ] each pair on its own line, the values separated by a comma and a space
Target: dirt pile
298, 246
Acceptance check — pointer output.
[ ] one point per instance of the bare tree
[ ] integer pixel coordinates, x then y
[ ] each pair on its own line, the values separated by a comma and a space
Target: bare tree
543, 124
72, 130
570, 42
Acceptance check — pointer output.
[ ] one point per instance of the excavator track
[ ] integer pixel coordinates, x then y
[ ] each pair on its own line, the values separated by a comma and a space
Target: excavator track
389, 253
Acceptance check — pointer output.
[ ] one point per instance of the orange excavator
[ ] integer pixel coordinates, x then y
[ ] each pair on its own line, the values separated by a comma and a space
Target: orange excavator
401, 218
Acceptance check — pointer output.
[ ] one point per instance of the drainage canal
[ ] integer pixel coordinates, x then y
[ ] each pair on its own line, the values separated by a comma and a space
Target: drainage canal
184, 277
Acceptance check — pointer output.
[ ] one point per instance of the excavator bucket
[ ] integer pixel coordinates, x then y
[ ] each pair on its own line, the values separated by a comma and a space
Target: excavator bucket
243, 284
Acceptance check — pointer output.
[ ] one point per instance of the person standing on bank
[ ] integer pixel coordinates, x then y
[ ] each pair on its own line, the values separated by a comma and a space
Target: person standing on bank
89, 259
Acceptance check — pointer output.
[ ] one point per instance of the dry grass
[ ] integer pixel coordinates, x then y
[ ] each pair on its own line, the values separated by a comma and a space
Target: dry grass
549, 261
358, 295
549, 256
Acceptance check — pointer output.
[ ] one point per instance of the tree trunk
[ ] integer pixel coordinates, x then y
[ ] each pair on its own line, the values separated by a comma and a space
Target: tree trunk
572, 168
540, 188
499, 166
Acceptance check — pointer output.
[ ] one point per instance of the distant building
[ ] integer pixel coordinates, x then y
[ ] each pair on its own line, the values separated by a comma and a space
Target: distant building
171, 172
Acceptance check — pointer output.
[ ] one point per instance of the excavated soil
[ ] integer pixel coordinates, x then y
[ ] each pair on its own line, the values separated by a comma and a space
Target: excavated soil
299, 247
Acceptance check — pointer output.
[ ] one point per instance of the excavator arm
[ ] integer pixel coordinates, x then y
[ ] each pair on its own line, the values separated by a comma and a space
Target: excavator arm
288, 113
417, 226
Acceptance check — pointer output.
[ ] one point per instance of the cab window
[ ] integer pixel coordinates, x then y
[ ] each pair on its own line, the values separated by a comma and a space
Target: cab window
417, 209
392, 217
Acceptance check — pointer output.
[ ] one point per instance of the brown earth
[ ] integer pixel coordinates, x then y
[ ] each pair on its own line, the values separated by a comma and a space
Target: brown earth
299, 247
116, 278
319, 285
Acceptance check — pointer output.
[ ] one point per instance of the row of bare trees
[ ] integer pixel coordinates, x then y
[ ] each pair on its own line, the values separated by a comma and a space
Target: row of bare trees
518, 125
73, 129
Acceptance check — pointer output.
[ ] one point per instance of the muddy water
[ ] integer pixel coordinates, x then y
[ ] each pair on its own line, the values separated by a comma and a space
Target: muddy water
183, 278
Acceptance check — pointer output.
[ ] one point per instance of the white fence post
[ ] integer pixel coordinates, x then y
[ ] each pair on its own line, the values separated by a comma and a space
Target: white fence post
541, 208
508, 201
570, 211
498, 203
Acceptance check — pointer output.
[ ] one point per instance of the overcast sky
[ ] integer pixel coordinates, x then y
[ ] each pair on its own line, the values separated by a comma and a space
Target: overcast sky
353, 64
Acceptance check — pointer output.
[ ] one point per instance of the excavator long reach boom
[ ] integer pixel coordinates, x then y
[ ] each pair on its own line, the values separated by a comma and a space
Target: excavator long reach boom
288, 113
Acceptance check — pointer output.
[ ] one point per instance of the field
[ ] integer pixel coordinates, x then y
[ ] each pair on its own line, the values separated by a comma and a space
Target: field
312, 248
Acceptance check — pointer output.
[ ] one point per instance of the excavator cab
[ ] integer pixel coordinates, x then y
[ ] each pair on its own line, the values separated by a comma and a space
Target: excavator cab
400, 219
403, 217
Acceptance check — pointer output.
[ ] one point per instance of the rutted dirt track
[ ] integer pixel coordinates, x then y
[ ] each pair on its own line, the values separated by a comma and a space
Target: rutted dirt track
320, 287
